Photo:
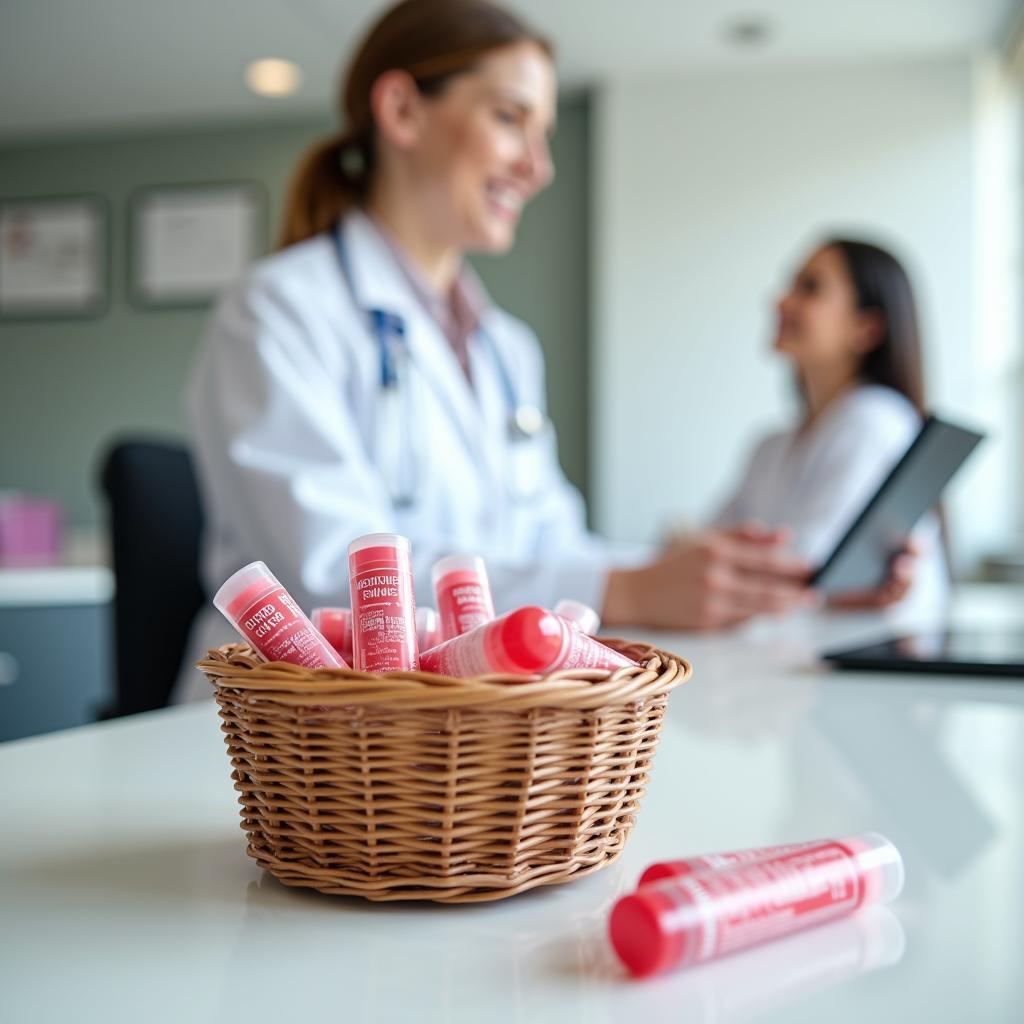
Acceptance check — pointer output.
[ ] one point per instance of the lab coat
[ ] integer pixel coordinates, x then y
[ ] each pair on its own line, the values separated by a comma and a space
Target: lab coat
289, 429
816, 481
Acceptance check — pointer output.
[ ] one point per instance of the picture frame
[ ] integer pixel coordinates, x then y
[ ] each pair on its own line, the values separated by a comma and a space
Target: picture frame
186, 243
54, 257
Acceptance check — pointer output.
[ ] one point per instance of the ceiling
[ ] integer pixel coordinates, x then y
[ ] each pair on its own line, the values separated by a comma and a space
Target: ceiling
77, 66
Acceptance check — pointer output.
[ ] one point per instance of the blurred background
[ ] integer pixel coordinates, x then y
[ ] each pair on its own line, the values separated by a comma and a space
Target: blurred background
703, 147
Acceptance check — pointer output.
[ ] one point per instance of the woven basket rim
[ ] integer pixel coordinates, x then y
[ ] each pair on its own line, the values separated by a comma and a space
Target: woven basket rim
237, 666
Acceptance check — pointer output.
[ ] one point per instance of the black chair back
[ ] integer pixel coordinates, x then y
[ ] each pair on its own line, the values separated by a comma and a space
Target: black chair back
155, 523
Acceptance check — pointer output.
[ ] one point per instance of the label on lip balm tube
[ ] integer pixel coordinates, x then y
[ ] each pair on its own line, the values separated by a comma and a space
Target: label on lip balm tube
463, 603
714, 861
383, 610
278, 629
769, 898
698, 916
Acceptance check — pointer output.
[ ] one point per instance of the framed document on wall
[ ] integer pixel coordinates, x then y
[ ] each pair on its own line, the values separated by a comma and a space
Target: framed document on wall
53, 257
188, 242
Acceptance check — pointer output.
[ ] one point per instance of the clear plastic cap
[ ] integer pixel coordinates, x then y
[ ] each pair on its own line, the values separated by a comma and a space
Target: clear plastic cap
242, 588
380, 540
426, 620
457, 563
881, 863
582, 614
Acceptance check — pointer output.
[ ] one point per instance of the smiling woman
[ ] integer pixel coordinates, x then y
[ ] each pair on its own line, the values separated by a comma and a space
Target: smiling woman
447, 102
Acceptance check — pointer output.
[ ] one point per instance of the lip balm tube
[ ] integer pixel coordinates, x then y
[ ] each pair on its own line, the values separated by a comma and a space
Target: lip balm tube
265, 615
528, 641
428, 628
681, 921
336, 626
463, 594
714, 861
579, 614
383, 604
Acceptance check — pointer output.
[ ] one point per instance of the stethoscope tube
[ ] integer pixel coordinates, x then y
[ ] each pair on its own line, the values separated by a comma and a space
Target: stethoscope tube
525, 421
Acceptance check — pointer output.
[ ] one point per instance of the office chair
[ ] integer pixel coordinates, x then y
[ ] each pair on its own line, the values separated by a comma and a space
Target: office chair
155, 522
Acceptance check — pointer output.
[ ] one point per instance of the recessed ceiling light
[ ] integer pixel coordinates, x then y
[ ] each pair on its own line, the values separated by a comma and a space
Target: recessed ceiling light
750, 30
273, 77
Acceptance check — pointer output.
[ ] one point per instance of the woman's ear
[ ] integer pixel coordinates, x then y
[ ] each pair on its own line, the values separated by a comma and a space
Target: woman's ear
395, 102
870, 330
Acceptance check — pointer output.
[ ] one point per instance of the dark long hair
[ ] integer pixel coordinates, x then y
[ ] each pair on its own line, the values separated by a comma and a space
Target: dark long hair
431, 40
881, 284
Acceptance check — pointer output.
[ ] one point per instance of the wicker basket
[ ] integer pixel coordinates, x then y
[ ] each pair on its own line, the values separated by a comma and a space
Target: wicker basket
418, 786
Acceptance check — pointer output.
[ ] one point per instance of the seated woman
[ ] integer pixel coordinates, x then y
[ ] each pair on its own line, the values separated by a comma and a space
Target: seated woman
848, 325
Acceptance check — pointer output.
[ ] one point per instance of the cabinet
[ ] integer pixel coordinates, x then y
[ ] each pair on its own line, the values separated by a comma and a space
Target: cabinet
55, 649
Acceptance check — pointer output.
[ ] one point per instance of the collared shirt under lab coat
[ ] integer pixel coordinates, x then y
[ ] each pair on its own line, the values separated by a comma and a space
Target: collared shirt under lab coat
816, 481
283, 403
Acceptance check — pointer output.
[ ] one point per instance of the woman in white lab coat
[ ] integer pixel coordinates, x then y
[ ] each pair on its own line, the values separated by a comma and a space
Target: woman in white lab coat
361, 380
848, 325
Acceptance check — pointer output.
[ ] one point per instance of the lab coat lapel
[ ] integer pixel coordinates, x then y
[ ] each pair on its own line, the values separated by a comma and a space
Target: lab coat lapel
379, 283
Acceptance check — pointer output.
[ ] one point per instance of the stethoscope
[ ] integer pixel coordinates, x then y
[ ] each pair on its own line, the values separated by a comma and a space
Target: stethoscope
398, 462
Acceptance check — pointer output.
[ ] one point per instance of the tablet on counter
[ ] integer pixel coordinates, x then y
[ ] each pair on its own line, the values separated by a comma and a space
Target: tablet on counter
860, 561
990, 652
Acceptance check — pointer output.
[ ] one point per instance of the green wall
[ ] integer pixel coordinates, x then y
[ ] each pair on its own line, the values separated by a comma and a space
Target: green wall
68, 387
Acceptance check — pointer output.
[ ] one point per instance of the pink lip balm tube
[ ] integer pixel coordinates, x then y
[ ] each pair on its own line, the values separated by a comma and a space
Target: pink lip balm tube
714, 861
383, 604
687, 920
580, 615
266, 617
463, 594
528, 641
428, 628
336, 626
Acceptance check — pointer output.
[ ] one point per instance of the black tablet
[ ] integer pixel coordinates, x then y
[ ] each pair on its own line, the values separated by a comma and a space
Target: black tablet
948, 652
860, 561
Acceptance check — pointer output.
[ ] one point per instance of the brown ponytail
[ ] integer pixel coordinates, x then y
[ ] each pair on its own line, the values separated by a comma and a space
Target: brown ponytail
431, 40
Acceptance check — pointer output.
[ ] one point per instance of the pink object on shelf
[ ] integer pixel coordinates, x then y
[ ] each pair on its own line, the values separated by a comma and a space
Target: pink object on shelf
31, 530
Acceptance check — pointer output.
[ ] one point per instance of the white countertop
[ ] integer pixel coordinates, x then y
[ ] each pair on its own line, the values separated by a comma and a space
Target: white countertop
57, 585
127, 895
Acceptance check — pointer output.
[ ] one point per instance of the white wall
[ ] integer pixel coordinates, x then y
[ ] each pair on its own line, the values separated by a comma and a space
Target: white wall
709, 190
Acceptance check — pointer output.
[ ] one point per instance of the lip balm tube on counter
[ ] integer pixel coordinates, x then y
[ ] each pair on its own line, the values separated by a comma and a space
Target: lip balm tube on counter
383, 604
528, 641
714, 861
336, 626
463, 594
262, 611
687, 920
579, 614
428, 628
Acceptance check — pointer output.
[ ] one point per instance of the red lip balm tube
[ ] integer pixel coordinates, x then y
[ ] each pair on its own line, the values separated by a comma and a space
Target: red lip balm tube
581, 615
428, 628
687, 920
714, 861
528, 641
336, 626
383, 604
262, 611
463, 594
